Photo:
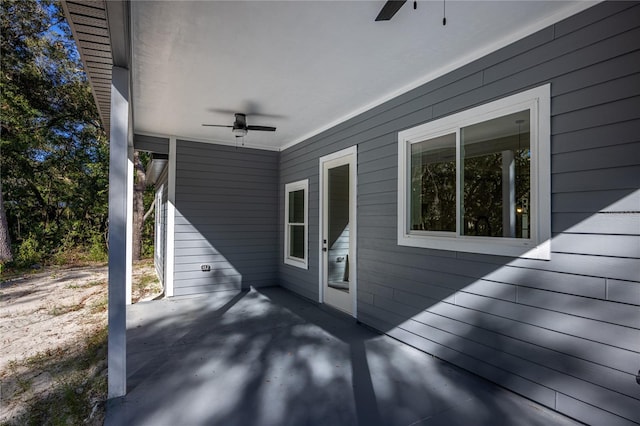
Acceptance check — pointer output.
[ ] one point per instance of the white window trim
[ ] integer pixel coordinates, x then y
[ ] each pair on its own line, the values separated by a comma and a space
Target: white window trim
538, 246
288, 188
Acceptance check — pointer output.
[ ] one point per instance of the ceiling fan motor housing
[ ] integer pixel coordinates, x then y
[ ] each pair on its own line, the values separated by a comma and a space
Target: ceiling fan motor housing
240, 128
240, 125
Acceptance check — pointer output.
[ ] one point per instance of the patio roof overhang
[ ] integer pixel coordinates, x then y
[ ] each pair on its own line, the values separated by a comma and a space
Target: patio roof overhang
302, 67
101, 31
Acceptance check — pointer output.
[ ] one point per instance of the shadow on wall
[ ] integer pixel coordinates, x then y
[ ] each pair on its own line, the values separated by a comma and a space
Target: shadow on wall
564, 332
202, 268
226, 218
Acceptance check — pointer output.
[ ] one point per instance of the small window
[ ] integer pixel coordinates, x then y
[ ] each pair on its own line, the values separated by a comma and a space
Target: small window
479, 180
296, 223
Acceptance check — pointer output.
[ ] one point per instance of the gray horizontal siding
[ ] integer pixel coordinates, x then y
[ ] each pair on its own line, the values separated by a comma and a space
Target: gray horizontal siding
153, 144
301, 281
226, 215
597, 158
612, 201
564, 332
599, 137
596, 223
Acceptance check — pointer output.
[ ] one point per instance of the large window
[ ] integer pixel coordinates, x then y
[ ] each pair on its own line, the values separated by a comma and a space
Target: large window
296, 222
479, 180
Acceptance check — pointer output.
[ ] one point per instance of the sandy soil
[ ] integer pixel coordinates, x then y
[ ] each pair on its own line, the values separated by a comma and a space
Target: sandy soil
53, 311
47, 310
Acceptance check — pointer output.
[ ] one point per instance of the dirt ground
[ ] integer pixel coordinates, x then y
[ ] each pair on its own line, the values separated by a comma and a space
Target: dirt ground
47, 321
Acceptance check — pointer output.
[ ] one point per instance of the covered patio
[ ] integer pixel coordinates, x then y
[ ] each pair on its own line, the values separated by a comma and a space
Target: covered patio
549, 312
268, 357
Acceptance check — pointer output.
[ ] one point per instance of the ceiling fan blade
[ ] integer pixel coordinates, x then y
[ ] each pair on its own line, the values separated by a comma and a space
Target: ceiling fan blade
263, 128
217, 125
223, 111
250, 110
389, 9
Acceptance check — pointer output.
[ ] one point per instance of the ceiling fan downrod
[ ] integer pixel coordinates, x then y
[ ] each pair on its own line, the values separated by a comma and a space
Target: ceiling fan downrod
444, 12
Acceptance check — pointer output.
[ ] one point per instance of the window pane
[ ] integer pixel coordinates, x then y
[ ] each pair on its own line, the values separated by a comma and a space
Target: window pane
433, 184
496, 175
296, 206
296, 241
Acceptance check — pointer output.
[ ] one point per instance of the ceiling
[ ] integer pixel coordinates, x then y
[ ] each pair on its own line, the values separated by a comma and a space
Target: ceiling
303, 66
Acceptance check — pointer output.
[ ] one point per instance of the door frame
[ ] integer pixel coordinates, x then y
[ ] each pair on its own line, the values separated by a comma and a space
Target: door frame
353, 198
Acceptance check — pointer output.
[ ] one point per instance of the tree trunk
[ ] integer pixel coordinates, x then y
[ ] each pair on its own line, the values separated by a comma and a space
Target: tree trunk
138, 204
5, 240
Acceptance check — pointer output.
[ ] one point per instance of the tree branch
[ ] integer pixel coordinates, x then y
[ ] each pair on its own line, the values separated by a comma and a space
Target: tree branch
148, 213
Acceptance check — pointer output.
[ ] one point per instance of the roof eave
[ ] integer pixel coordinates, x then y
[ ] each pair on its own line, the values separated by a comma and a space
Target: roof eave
101, 32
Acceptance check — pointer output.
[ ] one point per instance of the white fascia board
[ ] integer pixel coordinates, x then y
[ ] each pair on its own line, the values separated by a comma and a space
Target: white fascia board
169, 252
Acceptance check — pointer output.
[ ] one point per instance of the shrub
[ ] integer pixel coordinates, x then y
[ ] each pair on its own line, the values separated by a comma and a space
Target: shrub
97, 248
29, 252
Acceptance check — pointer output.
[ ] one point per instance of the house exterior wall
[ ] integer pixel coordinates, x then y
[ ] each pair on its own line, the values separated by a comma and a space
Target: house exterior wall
160, 246
226, 216
151, 144
563, 332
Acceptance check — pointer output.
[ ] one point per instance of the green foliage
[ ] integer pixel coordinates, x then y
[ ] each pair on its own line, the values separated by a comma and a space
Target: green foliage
54, 154
97, 248
482, 192
148, 229
80, 246
29, 252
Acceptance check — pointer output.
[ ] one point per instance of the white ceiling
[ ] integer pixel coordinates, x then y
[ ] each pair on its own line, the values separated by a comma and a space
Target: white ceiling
303, 66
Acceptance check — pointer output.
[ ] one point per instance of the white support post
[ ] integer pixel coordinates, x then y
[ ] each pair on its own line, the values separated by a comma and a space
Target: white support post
118, 220
129, 223
171, 220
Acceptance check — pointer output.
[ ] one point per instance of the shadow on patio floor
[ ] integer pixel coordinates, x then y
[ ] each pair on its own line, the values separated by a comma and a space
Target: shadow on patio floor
268, 357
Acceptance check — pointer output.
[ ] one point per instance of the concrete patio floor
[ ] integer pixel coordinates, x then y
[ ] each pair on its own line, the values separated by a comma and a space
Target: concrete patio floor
268, 357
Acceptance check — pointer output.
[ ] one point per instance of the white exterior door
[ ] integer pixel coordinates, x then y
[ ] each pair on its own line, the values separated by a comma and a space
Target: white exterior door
338, 229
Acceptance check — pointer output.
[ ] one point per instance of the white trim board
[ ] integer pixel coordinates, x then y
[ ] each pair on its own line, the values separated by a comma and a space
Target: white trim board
288, 188
129, 262
169, 252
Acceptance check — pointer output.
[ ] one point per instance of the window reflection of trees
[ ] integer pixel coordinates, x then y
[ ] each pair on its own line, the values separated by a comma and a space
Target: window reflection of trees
438, 190
482, 193
434, 188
